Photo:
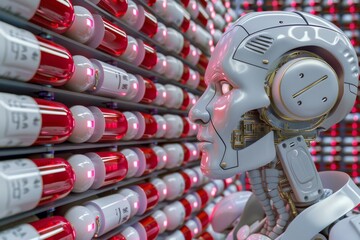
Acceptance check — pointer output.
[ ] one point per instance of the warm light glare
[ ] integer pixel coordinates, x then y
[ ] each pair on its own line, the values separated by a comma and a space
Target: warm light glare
136, 205
195, 179
194, 151
136, 164
196, 230
91, 227
135, 125
164, 126
196, 204
165, 223
135, 86
164, 94
165, 158
134, 48
165, 191
90, 174
135, 12
90, 72
89, 22
90, 124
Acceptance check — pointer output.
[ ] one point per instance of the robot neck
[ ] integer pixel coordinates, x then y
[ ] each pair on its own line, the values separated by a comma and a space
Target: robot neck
286, 186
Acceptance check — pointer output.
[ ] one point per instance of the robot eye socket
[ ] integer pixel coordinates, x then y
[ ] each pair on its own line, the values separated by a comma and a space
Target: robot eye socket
225, 87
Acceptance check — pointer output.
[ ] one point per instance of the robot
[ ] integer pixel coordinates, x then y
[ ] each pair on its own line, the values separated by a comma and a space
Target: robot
274, 82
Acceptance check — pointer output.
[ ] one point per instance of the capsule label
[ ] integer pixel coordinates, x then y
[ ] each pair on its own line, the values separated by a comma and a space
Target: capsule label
25, 9
20, 53
21, 185
21, 232
20, 121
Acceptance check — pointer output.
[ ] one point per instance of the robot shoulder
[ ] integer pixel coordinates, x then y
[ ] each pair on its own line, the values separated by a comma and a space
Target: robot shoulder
347, 228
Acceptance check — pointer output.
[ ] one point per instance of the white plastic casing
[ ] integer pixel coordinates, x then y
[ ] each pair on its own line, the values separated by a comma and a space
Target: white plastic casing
175, 185
192, 99
142, 162
194, 79
99, 26
111, 81
130, 233
83, 77
140, 18
193, 56
142, 126
220, 186
133, 125
210, 26
193, 8
200, 176
193, 176
219, 7
133, 198
174, 41
140, 87
82, 28
232, 13
211, 189
131, 15
84, 172
133, 53
193, 152
100, 171
191, 32
107, 210
174, 68
174, 96
99, 124
175, 214
194, 202
162, 156
83, 221
161, 64
133, 161
84, 125
175, 155
161, 219
203, 38
161, 126
160, 185
191, 224
177, 235
219, 22
161, 34
161, 94
174, 126
142, 199
193, 128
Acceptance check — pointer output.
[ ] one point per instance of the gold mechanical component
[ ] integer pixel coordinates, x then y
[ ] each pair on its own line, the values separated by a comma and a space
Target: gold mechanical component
96, 79
251, 129
98, 224
285, 194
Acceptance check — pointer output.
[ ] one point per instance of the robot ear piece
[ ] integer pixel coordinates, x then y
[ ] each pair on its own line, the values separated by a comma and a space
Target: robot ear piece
304, 87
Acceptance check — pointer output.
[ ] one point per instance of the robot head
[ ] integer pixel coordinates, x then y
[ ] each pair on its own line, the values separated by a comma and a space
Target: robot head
273, 75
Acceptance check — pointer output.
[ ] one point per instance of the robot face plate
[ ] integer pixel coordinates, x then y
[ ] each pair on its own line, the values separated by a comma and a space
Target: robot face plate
234, 88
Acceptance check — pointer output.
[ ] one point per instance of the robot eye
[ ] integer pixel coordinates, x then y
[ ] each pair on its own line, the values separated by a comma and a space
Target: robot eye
225, 87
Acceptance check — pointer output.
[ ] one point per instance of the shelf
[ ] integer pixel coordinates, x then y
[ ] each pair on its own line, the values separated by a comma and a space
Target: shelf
13, 152
132, 32
77, 48
73, 197
70, 98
